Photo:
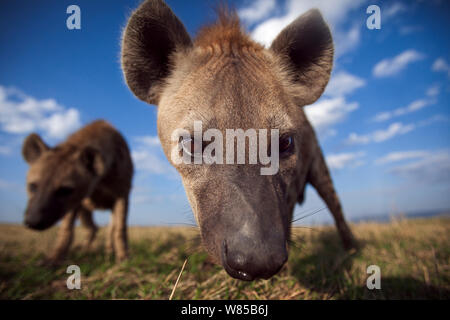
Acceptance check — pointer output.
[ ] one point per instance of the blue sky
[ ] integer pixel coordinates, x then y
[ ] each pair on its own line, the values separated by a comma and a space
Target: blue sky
383, 121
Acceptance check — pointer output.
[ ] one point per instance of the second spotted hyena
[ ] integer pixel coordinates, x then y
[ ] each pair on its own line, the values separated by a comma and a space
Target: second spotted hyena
91, 170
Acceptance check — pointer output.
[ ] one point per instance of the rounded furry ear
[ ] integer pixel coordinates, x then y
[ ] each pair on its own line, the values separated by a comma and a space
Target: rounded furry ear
33, 147
306, 46
152, 35
93, 161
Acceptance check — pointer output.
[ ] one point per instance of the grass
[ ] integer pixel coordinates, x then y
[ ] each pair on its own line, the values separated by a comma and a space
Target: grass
414, 257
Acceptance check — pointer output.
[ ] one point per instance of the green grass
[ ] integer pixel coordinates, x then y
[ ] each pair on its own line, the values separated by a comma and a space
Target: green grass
414, 257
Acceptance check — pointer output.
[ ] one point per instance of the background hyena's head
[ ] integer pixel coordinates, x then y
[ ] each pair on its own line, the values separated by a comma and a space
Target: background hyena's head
58, 179
227, 81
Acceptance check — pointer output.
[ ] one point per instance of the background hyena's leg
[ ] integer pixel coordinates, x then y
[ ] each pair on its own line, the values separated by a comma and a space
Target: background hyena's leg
120, 212
64, 239
88, 222
110, 237
320, 178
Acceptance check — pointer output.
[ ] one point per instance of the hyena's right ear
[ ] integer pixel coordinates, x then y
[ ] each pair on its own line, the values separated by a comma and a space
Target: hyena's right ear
33, 147
152, 35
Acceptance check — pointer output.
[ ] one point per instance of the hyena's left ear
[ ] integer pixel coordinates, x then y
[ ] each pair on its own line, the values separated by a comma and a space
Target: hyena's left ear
306, 46
153, 34
32, 148
93, 161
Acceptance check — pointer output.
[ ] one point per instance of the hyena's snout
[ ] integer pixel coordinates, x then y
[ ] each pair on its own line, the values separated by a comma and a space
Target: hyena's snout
247, 259
40, 216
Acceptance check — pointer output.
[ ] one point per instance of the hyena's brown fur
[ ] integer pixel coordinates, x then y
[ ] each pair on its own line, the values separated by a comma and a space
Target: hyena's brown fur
228, 81
91, 170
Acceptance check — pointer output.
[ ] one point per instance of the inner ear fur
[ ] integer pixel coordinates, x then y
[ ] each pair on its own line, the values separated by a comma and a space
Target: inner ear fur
306, 48
153, 34
33, 147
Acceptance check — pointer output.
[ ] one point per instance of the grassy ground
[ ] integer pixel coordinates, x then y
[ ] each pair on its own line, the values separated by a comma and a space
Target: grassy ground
414, 257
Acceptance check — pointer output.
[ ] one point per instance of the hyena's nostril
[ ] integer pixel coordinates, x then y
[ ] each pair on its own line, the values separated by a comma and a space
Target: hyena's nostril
235, 264
246, 261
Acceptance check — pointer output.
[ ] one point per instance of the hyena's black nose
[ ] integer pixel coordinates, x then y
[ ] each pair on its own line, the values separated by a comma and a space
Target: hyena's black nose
244, 260
35, 223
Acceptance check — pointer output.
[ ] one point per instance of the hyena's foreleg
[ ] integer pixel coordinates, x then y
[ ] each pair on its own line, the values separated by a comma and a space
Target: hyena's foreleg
110, 237
119, 232
87, 221
320, 179
64, 238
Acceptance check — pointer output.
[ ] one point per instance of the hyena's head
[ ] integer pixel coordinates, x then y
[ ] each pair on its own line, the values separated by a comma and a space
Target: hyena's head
227, 81
58, 179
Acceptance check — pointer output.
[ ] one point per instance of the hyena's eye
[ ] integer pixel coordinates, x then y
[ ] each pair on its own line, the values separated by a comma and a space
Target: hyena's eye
286, 145
32, 187
62, 192
190, 148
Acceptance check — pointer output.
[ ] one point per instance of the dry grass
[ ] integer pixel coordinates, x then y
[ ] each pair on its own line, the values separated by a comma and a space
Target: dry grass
414, 257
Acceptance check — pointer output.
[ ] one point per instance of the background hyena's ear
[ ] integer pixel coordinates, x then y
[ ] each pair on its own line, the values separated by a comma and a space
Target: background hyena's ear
152, 35
306, 46
93, 161
33, 147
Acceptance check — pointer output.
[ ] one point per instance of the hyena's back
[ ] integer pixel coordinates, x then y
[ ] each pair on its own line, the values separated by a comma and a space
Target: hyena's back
116, 180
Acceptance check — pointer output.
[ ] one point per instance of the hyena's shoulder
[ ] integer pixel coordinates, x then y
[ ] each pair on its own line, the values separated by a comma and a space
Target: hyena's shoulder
102, 136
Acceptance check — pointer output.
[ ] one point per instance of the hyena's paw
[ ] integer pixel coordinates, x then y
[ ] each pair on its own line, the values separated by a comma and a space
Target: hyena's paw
121, 258
350, 244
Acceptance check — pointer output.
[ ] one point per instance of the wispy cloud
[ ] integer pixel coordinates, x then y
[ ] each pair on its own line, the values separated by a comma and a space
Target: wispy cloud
258, 10
432, 92
440, 65
394, 9
406, 30
329, 111
148, 156
392, 66
343, 160
335, 12
402, 155
334, 107
429, 168
149, 141
412, 107
5, 150
377, 136
22, 114
343, 83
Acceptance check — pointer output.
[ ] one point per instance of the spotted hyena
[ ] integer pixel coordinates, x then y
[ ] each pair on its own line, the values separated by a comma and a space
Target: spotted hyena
91, 170
227, 81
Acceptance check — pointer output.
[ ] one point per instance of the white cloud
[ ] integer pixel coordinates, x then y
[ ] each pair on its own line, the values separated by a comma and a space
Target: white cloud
432, 168
393, 10
334, 106
328, 112
148, 161
257, 11
433, 119
402, 155
392, 66
5, 150
377, 136
412, 107
405, 30
148, 156
21, 114
343, 83
150, 141
335, 12
342, 160
440, 65
433, 91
